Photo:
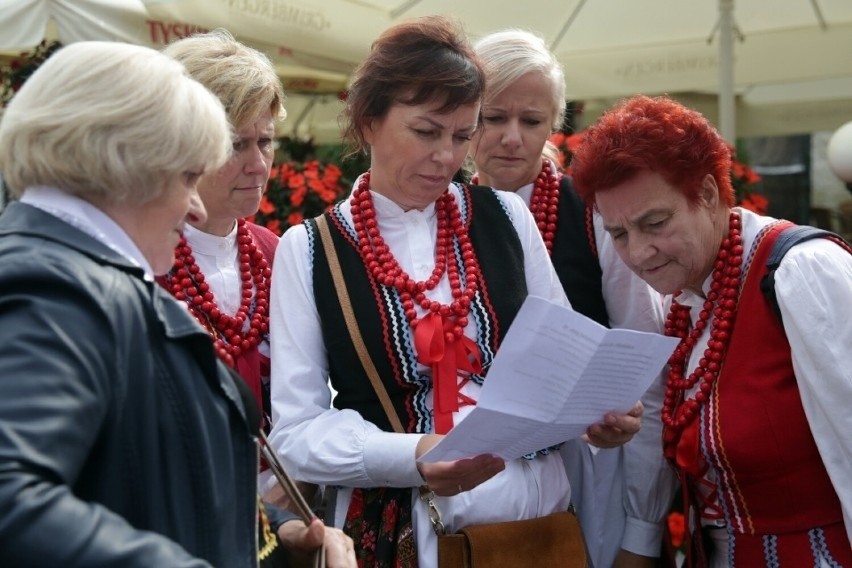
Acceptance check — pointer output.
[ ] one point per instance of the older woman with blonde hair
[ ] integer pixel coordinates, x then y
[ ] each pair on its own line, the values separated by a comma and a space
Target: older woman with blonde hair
117, 423
614, 489
223, 263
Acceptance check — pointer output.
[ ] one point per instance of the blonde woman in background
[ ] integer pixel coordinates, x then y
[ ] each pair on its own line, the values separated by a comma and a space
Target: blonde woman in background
223, 263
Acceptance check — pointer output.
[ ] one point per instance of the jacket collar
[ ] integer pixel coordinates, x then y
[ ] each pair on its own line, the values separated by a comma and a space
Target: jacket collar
26, 220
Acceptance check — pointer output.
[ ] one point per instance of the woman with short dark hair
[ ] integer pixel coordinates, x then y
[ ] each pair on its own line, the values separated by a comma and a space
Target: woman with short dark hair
426, 262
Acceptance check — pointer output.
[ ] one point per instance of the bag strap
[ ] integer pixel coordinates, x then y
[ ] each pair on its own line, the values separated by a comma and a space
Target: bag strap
788, 238
426, 495
352, 325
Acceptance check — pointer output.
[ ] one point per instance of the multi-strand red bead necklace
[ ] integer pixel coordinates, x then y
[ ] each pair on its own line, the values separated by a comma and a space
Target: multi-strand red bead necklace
721, 302
444, 324
187, 283
544, 202
384, 267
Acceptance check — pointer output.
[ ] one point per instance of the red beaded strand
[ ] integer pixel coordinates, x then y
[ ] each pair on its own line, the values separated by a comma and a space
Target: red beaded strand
186, 282
386, 270
721, 302
544, 202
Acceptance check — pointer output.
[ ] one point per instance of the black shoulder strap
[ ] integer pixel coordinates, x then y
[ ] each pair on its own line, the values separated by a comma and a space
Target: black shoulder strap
789, 238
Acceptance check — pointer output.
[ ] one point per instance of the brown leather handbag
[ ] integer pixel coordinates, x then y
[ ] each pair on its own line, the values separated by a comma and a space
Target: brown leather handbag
552, 540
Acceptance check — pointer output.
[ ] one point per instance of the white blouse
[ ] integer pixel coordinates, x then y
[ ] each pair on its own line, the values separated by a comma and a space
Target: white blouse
218, 260
338, 447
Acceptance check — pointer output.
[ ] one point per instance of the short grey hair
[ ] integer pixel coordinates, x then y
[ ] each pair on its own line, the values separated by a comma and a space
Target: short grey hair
509, 54
111, 122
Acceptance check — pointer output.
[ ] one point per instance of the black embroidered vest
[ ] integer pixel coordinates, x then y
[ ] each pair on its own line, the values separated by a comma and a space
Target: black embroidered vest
386, 332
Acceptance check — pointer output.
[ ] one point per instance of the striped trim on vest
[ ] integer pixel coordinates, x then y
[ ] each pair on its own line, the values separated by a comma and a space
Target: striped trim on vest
777, 498
387, 335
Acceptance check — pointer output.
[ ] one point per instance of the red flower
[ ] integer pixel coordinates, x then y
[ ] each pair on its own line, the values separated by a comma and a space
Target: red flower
566, 144
266, 206
299, 192
368, 540
755, 202
296, 191
296, 181
677, 528
742, 178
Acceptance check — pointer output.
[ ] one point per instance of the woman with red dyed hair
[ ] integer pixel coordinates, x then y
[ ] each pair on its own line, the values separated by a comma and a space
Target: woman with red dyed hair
755, 417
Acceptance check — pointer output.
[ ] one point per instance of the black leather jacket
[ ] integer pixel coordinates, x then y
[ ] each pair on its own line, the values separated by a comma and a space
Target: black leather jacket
123, 440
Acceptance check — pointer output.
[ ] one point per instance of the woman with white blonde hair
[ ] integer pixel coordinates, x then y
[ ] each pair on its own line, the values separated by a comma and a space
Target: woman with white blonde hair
524, 103
123, 441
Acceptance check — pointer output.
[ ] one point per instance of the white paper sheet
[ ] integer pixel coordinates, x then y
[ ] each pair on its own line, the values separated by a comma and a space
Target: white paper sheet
556, 373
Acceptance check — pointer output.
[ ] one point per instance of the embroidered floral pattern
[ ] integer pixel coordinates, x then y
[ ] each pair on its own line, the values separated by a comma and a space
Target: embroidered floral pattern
381, 528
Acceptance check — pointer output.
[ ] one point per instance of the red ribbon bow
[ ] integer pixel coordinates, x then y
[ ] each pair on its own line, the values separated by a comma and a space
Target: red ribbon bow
447, 355
681, 446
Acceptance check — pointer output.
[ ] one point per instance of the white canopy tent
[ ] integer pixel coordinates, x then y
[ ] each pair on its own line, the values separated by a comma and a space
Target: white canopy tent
786, 69
784, 66
25, 23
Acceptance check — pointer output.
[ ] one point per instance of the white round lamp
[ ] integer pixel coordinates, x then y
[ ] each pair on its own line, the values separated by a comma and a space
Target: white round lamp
839, 153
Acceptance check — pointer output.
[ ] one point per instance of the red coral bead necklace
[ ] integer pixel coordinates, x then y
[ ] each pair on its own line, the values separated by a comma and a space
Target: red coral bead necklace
544, 202
721, 302
385, 269
186, 282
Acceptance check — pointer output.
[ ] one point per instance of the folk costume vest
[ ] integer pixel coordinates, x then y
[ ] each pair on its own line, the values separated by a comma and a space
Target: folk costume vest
575, 256
772, 487
386, 512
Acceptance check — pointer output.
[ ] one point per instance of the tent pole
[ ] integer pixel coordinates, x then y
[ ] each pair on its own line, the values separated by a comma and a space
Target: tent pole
303, 115
727, 109
566, 25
